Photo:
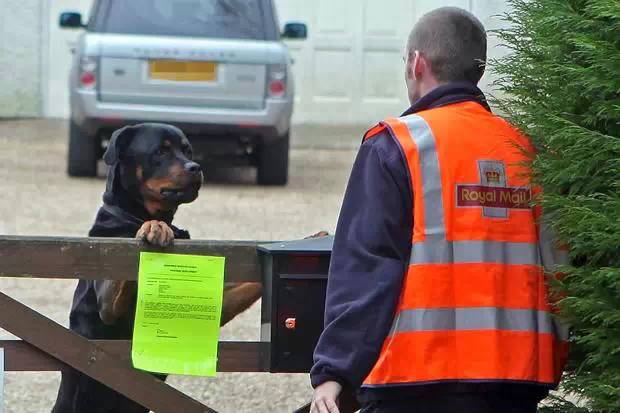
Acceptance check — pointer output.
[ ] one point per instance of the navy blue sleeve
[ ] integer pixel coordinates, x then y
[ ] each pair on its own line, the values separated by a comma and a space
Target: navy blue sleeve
369, 258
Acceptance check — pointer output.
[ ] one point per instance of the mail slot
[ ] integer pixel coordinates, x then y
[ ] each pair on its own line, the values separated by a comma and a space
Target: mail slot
294, 285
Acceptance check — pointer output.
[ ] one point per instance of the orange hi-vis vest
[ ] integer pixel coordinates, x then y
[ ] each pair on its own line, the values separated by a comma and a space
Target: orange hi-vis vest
474, 305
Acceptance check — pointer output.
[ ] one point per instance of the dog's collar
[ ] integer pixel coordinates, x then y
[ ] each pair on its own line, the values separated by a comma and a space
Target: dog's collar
122, 214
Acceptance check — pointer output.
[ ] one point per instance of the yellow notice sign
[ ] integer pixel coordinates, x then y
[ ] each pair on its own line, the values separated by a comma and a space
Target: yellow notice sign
177, 323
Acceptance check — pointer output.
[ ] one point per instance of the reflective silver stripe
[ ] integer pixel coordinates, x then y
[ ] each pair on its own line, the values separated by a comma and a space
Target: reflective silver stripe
439, 251
423, 137
477, 318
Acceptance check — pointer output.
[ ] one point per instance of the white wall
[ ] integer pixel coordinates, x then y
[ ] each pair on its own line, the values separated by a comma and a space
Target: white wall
20, 58
349, 70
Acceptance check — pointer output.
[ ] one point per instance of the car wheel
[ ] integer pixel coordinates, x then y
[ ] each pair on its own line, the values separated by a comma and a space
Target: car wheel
273, 162
83, 153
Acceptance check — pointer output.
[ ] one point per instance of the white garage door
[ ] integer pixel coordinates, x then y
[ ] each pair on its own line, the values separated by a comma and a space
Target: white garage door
350, 69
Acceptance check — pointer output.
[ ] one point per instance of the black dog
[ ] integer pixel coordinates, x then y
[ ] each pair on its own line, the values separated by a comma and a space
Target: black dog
151, 174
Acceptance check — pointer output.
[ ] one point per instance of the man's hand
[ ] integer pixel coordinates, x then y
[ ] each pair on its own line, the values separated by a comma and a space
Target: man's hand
325, 399
319, 235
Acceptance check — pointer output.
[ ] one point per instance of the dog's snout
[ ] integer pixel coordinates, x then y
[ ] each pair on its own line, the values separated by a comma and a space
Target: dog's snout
192, 167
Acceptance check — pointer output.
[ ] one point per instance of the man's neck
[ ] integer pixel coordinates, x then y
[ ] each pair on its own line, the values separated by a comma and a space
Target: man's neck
446, 94
428, 86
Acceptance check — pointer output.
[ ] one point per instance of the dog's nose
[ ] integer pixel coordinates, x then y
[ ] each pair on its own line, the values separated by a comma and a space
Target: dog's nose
192, 167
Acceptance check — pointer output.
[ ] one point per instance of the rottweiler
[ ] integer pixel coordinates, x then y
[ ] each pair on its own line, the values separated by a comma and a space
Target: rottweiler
151, 173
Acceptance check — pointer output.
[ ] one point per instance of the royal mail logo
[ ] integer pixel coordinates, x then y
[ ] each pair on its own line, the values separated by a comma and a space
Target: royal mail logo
493, 197
492, 176
492, 193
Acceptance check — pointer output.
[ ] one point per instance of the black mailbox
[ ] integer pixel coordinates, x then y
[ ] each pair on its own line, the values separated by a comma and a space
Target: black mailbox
294, 284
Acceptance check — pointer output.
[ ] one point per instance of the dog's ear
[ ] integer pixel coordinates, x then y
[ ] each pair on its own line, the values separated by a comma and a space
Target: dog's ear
119, 142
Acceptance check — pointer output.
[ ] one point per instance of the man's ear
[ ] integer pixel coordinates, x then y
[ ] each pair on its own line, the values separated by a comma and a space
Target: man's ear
119, 142
409, 64
418, 65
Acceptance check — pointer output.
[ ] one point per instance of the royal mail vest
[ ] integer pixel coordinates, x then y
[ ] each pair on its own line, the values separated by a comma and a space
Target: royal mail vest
474, 305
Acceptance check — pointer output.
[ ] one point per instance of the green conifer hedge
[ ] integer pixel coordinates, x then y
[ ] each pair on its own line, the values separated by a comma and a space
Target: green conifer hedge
561, 86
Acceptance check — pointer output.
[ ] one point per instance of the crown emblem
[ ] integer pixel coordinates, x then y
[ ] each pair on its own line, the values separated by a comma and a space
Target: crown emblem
492, 176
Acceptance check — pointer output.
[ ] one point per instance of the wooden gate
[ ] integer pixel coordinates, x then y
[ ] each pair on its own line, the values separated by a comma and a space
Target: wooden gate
48, 346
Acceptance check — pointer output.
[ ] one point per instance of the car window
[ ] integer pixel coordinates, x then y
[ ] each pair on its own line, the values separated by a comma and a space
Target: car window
223, 19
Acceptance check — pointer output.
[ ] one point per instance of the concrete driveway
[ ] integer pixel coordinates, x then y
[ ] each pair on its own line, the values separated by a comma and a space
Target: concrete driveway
37, 198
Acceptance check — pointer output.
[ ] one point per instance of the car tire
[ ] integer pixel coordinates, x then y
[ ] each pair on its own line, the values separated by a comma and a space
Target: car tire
273, 162
83, 153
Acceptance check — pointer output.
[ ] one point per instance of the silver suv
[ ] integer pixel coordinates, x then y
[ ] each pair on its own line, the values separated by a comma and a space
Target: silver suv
215, 68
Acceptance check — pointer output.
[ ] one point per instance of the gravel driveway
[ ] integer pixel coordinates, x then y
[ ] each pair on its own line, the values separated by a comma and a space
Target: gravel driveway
37, 198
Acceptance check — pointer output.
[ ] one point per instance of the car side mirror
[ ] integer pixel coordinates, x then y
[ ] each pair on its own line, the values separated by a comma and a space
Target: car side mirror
297, 31
71, 20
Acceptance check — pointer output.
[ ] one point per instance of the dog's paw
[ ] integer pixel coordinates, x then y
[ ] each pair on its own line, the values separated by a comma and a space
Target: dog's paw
156, 233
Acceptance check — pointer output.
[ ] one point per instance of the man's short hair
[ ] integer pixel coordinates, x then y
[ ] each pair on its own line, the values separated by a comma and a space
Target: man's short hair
455, 43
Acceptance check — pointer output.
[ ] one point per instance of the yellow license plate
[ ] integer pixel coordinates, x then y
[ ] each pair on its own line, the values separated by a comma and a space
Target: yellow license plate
182, 71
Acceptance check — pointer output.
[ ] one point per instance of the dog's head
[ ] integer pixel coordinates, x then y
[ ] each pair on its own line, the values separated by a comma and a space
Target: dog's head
154, 163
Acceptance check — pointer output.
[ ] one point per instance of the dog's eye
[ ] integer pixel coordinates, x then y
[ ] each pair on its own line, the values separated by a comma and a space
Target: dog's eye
161, 151
187, 150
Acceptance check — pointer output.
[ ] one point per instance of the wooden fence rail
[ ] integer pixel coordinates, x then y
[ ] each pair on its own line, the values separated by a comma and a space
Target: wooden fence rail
112, 258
